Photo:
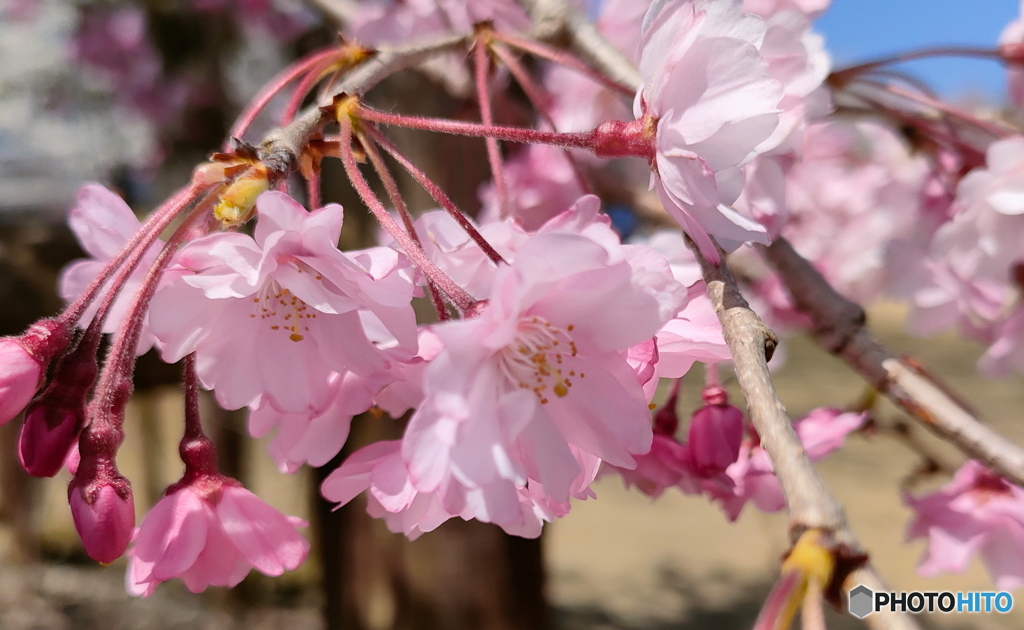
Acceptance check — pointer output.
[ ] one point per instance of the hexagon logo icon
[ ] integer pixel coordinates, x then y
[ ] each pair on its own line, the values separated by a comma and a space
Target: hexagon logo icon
861, 601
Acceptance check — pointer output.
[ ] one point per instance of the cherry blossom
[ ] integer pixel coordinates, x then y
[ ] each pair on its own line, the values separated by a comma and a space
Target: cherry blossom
976, 512
273, 315
712, 101
212, 532
538, 372
103, 224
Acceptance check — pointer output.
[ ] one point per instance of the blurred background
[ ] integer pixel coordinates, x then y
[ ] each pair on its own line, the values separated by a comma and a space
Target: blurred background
73, 110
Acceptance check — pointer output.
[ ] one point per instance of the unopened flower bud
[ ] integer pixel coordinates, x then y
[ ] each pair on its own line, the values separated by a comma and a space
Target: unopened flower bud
715, 435
104, 515
54, 419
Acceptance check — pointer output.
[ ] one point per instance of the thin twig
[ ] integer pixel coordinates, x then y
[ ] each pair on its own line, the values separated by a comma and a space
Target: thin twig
810, 503
840, 327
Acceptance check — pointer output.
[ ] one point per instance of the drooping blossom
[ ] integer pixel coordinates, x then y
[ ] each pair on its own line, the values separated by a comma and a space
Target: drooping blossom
212, 532
103, 224
712, 102
977, 512
272, 315
541, 372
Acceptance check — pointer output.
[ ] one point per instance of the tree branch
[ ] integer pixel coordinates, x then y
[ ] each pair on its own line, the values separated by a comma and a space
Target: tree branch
281, 148
810, 503
840, 327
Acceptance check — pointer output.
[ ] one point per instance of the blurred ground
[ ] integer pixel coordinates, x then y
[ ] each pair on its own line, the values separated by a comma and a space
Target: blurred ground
620, 562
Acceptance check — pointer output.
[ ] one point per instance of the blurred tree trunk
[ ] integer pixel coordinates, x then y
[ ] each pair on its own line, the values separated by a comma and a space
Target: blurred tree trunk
462, 576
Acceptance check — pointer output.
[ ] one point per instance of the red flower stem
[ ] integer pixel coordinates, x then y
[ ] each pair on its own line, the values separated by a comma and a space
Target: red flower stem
133, 250
105, 415
270, 90
302, 90
541, 103
481, 65
435, 191
459, 297
391, 186
579, 140
562, 58
844, 74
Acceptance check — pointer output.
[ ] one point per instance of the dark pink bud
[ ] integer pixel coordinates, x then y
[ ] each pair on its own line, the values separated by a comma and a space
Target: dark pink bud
104, 516
20, 375
46, 438
666, 421
55, 418
716, 432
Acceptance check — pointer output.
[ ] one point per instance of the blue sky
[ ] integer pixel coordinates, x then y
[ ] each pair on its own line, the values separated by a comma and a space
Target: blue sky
857, 30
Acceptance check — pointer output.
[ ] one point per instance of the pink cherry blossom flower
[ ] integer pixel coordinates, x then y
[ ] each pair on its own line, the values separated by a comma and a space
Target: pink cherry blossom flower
20, 376
272, 316
541, 371
212, 532
103, 224
977, 512
712, 100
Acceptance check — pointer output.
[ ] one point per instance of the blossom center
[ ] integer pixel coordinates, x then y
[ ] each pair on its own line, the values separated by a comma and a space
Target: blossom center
281, 310
534, 358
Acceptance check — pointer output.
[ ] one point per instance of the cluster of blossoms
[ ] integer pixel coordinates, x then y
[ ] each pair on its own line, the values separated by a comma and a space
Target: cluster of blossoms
552, 331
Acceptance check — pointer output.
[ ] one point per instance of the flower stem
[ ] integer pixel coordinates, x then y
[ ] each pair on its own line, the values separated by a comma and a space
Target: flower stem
563, 58
105, 430
541, 103
131, 253
403, 211
481, 65
459, 297
435, 191
579, 140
